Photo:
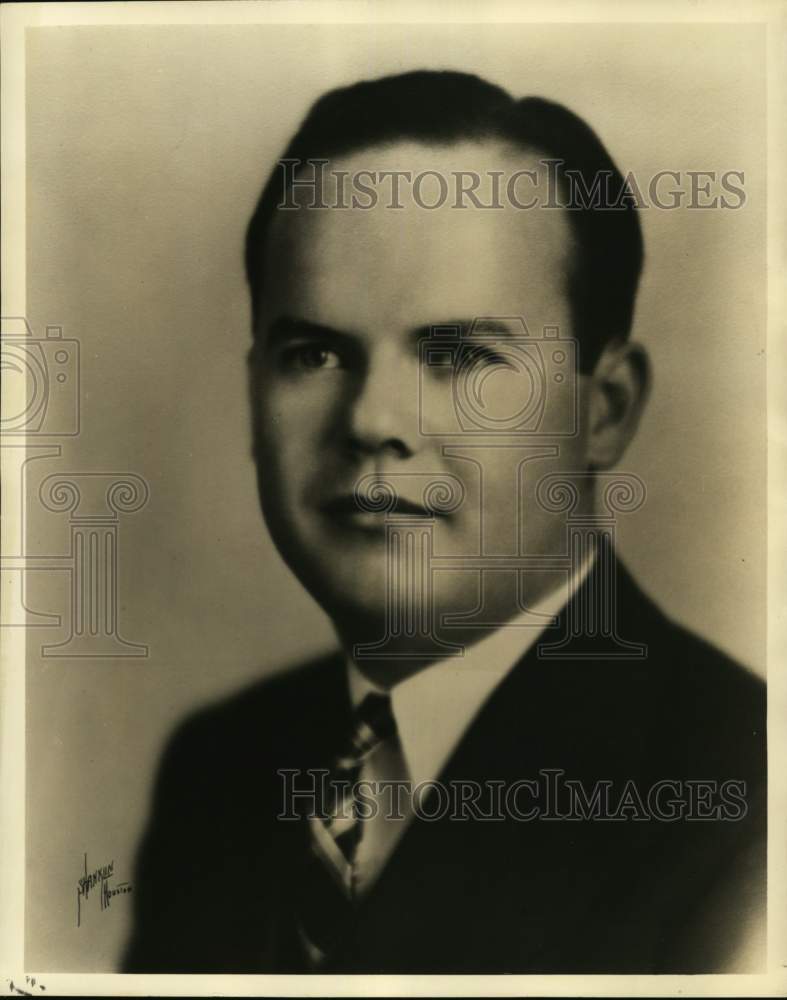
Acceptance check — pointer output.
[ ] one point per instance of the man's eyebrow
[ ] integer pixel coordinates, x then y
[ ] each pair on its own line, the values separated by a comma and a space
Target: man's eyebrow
511, 326
285, 328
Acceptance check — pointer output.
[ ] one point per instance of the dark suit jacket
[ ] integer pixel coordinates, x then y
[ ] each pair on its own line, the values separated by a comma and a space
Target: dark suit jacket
213, 887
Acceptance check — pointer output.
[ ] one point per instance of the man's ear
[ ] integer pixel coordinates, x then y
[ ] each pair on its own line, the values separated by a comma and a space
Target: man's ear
619, 387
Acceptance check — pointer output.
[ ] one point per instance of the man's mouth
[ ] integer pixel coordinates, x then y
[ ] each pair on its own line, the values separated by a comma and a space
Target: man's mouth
369, 512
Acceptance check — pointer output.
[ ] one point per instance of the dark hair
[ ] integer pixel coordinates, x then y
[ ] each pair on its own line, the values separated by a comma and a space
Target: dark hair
445, 107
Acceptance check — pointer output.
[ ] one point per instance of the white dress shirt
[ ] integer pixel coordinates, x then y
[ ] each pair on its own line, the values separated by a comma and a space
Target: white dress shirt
433, 709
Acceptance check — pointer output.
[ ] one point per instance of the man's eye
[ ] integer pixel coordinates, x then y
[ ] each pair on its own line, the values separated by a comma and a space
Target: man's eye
310, 357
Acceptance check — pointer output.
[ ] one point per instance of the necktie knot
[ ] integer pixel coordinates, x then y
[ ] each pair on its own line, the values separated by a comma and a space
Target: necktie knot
373, 724
375, 712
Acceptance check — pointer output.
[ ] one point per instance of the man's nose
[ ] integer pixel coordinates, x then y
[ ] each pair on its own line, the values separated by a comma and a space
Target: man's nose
384, 413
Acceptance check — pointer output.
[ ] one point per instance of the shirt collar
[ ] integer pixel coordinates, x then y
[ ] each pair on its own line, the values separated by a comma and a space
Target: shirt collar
434, 706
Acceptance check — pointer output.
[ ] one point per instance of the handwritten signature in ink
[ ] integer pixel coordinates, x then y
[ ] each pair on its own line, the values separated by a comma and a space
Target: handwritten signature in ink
98, 879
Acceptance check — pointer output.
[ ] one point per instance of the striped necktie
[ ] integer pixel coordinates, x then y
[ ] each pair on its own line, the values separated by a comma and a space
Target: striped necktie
326, 896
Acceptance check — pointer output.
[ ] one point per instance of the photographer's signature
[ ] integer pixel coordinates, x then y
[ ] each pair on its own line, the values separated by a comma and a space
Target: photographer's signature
98, 880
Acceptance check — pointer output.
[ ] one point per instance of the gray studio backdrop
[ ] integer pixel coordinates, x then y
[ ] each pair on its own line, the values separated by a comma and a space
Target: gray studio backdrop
146, 148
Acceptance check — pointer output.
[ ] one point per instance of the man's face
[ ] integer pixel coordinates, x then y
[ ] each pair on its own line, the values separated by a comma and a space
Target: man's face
345, 396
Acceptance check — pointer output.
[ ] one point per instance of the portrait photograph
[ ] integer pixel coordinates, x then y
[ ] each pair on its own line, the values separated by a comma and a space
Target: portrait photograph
393, 456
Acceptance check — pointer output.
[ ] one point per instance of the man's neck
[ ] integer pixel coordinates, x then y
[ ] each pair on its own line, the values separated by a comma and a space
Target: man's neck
404, 656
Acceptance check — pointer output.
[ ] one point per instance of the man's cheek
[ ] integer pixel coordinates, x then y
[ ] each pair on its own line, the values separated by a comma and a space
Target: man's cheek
300, 410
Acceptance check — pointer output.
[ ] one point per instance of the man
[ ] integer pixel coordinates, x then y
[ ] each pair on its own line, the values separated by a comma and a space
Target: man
439, 391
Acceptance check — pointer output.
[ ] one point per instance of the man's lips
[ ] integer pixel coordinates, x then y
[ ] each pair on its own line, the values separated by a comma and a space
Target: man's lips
371, 509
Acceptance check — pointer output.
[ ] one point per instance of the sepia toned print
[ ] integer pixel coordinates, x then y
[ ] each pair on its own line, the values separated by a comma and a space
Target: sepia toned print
437, 476
389, 470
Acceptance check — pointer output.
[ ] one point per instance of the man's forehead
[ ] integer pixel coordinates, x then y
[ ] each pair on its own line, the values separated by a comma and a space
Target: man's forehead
424, 187
411, 158
476, 260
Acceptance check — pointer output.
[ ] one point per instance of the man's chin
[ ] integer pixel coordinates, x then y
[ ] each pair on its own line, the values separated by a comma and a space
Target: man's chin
348, 599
